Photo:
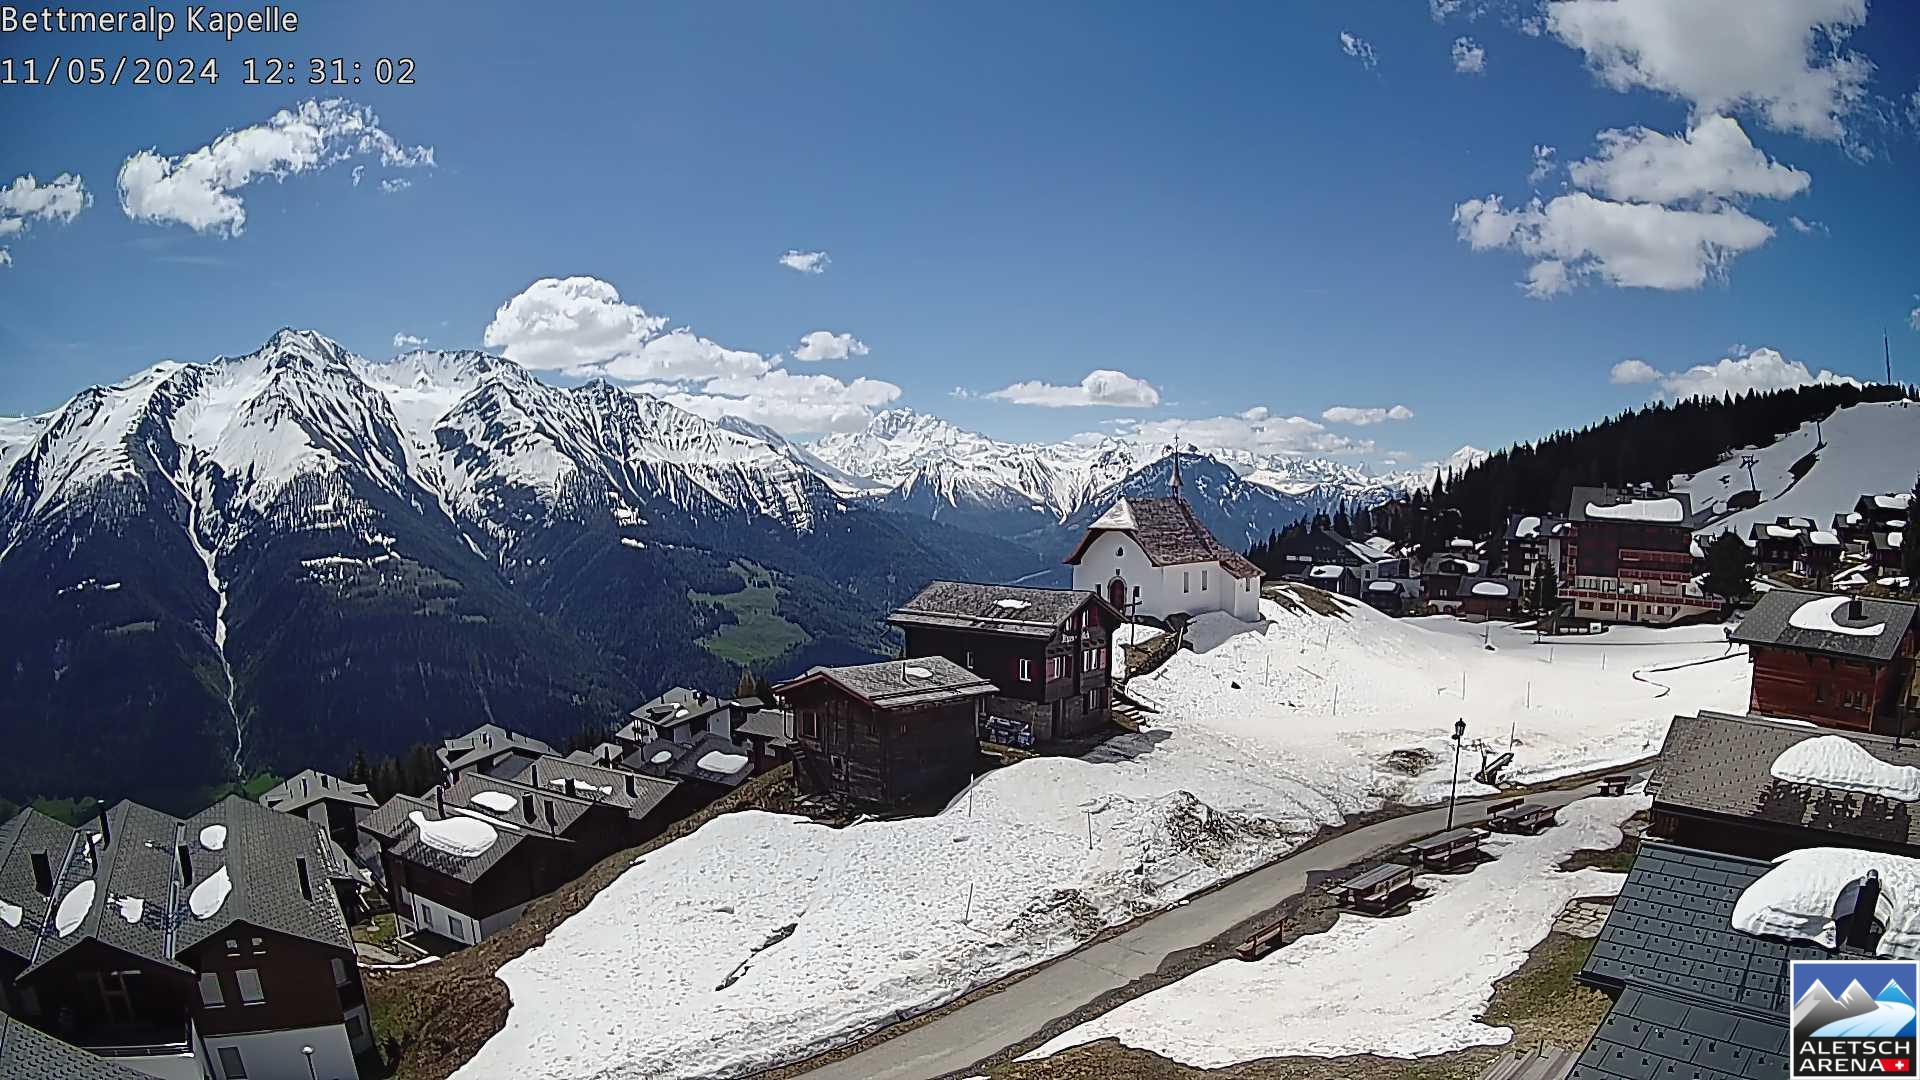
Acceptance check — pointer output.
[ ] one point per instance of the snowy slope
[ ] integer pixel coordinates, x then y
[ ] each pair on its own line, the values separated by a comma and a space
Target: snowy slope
1406, 987
1870, 448
761, 939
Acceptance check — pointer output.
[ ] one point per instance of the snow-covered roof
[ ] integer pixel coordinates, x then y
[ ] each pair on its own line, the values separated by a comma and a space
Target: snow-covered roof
1664, 511
1527, 527
1839, 763
457, 835
1894, 502
1119, 516
1821, 614
1491, 588
1796, 898
1384, 585
1822, 538
1867, 628
1381, 544
1460, 543
1327, 572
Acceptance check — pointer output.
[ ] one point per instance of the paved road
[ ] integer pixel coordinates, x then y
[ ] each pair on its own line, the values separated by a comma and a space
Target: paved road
997, 1021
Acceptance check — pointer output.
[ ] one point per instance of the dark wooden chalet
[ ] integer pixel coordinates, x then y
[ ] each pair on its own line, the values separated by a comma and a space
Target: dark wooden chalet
325, 800
1836, 660
891, 733
463, 861
1388, 596
1488, 597
1048, 651
1776, 543
1889, 511
1884, 551
213, 945
1714, 787
1819, 555
1529, 548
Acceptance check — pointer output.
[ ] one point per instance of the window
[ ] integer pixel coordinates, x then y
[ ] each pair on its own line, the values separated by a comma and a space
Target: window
839, 766
1056, 666
339, 972
210, 994
969, 664
455, 929
1203, 579
1819, 691
1026, 670
809, 725
1090, 705
231, 1066
250, 992
1186, 581
426, 915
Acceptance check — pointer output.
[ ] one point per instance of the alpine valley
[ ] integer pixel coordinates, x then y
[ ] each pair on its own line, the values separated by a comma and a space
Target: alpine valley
219, 568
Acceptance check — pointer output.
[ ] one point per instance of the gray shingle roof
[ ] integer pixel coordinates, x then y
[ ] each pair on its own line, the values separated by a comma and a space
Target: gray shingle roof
901, 684
136, 859
637, 795
393, 821
1769, 623
485, 743
310, 786
1167, 530
769, 724
27, 1053
1721, 764
993, 609
1697, 997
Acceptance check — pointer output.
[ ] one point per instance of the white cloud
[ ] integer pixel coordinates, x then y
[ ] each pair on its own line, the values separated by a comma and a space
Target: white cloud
1638, 245
1441, 9
1101, 387
404, 341
807, 262
822, 345
1805, 227
1630, 372
1363, 417
1258, 430
1359, 49
197, 189
394, 184
581, 325
1542, 164
358, 172
1913, 317
26, 200
1712, 161
1468, 57
790, 403
1757, 369
1783, 60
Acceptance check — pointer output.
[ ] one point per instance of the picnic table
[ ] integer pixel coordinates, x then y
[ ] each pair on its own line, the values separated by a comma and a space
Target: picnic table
1526, 817
1447, 850
1615, 785
1378, 890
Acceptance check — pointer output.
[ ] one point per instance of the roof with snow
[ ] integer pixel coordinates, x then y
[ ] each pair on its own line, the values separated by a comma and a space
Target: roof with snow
1696, 998
692, 761
1167, 530
1524, 527
1856, 627
27, 1053
995, 609
310, 786
251, 875
1644, 508
1489, 587
1718, 763
553, 813
900, 684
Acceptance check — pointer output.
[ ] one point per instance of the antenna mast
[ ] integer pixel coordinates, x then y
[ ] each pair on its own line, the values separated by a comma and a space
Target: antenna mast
1886, 351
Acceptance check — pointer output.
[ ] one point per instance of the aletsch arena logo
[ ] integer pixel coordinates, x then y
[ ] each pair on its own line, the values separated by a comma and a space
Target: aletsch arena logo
1853, 1018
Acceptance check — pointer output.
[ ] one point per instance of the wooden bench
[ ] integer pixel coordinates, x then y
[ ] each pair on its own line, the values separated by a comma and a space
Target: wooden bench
1526, 818
1502, 806
1615, 785
1262, 942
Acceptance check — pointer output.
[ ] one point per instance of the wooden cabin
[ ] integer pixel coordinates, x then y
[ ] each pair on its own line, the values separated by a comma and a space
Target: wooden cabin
888, 734
1049, 651
1835, 660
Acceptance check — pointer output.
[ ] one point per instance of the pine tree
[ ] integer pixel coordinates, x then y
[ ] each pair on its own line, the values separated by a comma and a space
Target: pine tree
1729, 567
1910, 547
359, 772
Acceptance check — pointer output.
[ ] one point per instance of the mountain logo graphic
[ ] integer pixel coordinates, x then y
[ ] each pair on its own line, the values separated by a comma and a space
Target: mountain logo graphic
1852, 1018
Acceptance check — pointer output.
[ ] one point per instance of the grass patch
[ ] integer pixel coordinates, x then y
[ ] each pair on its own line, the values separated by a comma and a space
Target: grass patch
759, 634
381, 930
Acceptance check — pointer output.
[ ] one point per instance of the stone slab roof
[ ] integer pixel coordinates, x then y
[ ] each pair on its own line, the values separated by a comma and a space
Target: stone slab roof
901, 684
1771, 622
994, 609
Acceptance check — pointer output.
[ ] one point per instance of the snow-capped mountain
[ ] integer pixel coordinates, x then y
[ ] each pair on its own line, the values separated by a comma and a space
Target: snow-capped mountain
926, 465
296, 551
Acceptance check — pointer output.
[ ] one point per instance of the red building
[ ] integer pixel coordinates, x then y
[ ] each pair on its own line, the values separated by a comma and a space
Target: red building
1626, 556
1838, 661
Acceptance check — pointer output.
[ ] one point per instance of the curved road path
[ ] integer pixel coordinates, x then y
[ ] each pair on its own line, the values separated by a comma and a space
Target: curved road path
997, 1021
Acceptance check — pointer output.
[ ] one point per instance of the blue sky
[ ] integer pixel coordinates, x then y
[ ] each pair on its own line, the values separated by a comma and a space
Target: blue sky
1223, 203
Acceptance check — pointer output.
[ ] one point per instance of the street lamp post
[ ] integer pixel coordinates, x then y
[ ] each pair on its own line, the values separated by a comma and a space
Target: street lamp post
1459, 733
308, 1050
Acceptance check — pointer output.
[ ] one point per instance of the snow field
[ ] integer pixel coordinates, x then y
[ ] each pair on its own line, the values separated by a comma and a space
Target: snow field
761, 939
1403, 987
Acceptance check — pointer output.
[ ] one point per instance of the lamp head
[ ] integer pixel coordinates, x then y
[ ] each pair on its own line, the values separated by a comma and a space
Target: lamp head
1459, 730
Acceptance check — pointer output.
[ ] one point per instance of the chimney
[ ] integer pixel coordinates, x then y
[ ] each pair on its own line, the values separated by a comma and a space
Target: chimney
306, 883
550, 818
42, 874
572, 789
324, 780
1856, 611
185, 854
440, 800
106, 830
1858, 930
630, 786
487, 739
533, 773
303, 787
526, 808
